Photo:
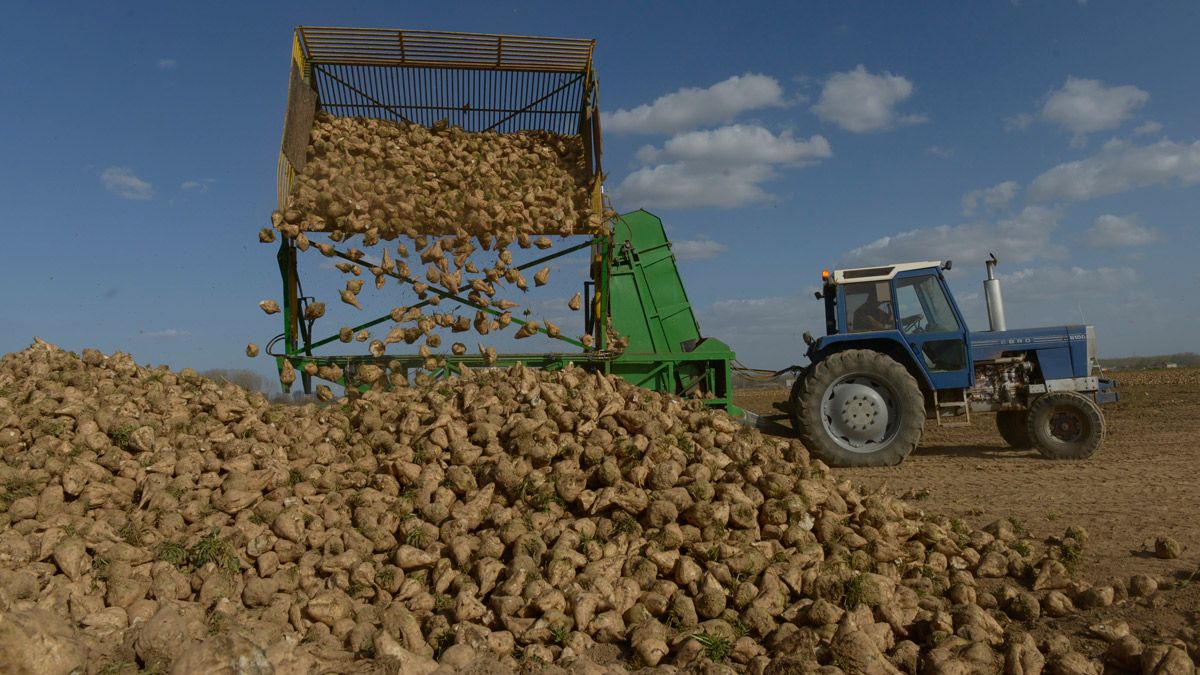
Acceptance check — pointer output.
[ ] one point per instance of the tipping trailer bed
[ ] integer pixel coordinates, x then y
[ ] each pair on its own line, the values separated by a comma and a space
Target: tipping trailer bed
476, 81
502, 83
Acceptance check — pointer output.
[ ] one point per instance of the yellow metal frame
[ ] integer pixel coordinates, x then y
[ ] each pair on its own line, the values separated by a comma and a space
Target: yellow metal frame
285, 176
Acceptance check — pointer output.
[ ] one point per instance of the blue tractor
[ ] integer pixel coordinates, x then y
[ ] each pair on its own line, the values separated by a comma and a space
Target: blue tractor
897, 352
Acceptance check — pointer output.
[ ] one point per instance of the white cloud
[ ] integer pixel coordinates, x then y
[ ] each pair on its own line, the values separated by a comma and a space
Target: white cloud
688, 185
1054, 296
1110, 231
860, 102
200, 186
697, 249
1020, 238
940, 151
992, 198
166, 64
692, 107
737, 144
1019, 122
167, 333
1085, 106
722, 167
1119, 167
765, 332
1145, 128
124, 183
1075, 283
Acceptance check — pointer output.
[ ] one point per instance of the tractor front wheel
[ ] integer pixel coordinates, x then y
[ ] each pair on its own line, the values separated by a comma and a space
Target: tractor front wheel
1013, 426
1066, 425
858, 408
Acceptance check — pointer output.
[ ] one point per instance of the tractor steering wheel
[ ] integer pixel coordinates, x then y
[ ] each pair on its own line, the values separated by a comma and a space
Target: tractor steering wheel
912, 322
885, 307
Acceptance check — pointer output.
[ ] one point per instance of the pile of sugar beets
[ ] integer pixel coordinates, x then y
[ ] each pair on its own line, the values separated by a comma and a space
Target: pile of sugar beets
385, 179
156, 521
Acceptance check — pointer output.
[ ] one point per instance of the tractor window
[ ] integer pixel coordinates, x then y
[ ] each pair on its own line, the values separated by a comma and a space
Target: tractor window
869, 307
923, 306
944, 355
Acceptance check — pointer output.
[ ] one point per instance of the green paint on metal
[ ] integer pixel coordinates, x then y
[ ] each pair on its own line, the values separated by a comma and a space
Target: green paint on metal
637, 292
649, 306
287, 271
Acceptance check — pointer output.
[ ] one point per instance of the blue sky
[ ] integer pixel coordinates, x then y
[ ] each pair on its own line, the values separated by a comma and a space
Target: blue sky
139, 143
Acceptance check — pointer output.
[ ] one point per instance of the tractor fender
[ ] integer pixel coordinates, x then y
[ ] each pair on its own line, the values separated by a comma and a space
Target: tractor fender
887, 342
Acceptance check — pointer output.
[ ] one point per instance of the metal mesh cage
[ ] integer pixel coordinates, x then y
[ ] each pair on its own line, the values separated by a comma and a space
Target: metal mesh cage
480, 82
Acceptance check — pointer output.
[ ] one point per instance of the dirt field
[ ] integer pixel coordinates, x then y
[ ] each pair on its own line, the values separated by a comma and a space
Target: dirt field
1141, 484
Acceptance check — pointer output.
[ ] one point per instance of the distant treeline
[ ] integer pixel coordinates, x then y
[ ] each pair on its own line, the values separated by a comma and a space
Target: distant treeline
255, 382
743, 382
1184, 360
246, 379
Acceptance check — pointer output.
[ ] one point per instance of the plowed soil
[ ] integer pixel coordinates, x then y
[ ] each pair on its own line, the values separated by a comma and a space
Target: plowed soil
1144, 482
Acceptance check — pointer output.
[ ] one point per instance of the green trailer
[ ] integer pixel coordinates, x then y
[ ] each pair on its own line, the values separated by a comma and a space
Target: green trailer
636, 310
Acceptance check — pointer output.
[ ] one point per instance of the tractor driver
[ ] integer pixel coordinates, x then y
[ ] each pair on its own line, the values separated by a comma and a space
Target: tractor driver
871, 314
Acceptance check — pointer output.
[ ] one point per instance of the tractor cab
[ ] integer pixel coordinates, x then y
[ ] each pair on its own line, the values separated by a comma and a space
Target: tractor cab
905, 308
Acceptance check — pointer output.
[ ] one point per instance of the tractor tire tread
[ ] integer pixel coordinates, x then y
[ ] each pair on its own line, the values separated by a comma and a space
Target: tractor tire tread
1055, 448
1013, 426
808, 392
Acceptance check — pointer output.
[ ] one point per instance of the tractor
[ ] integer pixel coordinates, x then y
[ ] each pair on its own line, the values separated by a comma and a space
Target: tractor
897, 352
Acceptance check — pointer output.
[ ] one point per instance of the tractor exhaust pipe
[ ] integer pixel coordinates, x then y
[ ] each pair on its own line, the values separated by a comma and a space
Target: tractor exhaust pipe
995, 301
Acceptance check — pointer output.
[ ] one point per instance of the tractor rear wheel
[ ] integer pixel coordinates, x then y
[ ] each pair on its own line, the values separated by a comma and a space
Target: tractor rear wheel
1066, 425
1013, 426
858, 408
